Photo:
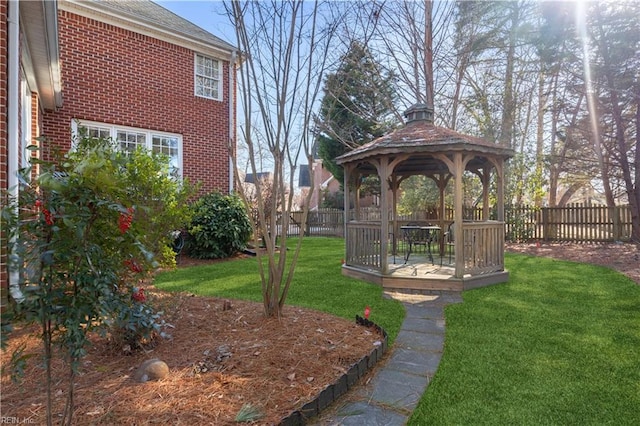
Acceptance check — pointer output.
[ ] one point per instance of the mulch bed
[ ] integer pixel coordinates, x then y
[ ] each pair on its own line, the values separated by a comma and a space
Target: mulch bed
219, 361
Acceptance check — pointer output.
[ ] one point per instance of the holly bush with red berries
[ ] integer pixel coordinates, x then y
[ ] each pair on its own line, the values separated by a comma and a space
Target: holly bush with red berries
82, 250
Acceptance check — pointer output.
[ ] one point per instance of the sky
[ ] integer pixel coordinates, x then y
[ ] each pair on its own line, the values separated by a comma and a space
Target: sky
207, 14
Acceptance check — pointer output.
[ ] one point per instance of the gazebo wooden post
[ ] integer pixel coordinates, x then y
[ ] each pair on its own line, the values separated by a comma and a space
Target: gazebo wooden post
499, 163
458, 169
347, 213
442, 181
395, 185
356, 193
383, 173
347, 191
486, 180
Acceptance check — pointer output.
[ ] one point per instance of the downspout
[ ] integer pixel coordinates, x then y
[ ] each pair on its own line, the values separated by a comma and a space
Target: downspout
13, 123
232, 141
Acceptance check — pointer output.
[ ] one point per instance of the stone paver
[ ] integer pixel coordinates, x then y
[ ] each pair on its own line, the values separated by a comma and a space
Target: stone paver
362, 413
415, 362
395, 389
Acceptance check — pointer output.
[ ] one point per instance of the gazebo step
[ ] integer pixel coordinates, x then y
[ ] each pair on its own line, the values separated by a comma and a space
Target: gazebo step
426, 283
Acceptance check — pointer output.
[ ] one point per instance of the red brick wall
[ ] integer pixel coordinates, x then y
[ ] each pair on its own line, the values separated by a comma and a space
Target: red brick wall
4, 277
115, 76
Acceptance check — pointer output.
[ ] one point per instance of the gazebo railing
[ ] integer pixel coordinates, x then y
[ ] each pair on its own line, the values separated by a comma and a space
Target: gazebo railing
482, 244
483, 247
363, 245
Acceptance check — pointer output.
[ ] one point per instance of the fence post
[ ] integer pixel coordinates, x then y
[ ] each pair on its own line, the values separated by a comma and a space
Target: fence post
617, 226
545, 224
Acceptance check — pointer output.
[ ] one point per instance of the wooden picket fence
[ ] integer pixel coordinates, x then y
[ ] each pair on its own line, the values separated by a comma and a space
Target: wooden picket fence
575, 222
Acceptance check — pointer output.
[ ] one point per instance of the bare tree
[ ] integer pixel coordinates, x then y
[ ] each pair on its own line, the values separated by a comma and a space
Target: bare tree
284, 47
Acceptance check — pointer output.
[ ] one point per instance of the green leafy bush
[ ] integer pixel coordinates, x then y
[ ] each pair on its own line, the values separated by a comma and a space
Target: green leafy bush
82, 238
163, 200
220, 226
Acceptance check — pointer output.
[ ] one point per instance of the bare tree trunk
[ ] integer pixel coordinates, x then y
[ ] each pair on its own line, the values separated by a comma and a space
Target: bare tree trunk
508, 101
428, 52
285, 54
559, 155
539, 168
635, 191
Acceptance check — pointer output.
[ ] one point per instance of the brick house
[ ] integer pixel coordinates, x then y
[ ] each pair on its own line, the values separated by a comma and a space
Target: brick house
133, 71
324, 183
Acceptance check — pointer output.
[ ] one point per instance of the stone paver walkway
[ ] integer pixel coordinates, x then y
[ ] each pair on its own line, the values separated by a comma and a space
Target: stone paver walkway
395, 390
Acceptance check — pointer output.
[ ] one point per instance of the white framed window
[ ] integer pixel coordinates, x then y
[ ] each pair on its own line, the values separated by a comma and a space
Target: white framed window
98, 132
130, 138
208, 83
167, 145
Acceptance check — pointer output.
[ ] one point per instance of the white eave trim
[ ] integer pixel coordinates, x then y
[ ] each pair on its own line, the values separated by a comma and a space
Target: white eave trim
137, 25
53, 47
41, 52
327, 182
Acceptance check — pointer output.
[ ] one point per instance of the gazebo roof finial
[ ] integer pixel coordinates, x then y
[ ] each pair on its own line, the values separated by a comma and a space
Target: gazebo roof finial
419, 112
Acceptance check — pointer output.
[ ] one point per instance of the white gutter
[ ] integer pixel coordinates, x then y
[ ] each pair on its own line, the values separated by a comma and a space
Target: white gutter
232, 139
13, 124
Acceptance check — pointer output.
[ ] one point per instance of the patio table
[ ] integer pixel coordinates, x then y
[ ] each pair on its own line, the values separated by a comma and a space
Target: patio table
419, 235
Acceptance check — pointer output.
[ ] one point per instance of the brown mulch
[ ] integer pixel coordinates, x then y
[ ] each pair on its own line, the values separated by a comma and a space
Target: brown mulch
219, 361
623, 257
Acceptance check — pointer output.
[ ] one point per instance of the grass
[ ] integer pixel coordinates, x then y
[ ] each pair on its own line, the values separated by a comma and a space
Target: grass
318, 284
558, 344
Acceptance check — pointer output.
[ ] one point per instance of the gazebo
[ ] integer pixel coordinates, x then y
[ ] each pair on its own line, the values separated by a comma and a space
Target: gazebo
420, 148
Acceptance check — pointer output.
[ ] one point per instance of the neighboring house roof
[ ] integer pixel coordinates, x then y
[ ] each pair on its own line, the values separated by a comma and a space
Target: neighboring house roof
304, 176
40, 50
149, 18
251, 178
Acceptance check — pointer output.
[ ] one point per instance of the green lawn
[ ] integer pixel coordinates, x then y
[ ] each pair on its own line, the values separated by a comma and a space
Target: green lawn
558, 344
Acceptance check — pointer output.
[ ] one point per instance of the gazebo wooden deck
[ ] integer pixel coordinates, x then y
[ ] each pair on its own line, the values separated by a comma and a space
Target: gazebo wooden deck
421, 148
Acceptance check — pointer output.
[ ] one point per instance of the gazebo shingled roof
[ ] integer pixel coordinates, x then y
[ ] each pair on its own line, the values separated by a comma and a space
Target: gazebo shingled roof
422, 136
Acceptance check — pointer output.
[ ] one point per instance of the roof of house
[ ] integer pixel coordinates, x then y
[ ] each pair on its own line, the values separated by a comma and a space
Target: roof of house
154, 12
148, 14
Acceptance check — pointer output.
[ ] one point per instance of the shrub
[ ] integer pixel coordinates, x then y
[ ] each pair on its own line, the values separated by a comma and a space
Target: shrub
164, 201
77, 236
219, 227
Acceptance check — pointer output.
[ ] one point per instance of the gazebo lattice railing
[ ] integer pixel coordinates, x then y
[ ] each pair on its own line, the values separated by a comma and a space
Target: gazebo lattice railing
482, 246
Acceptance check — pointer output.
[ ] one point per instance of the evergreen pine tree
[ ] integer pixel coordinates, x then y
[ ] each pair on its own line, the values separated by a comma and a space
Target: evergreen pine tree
356, 108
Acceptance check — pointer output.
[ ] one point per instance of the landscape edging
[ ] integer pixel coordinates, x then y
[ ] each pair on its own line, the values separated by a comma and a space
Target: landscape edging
345, 382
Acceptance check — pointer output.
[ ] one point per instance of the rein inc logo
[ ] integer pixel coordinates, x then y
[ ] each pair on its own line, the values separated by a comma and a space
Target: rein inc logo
11, 420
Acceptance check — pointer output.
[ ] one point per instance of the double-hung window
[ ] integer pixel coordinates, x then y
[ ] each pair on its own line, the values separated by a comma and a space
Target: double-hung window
208, 83
129, 139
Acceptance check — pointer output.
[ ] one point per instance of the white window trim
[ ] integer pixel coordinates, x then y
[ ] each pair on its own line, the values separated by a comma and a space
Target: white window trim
113, 130
195, 76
